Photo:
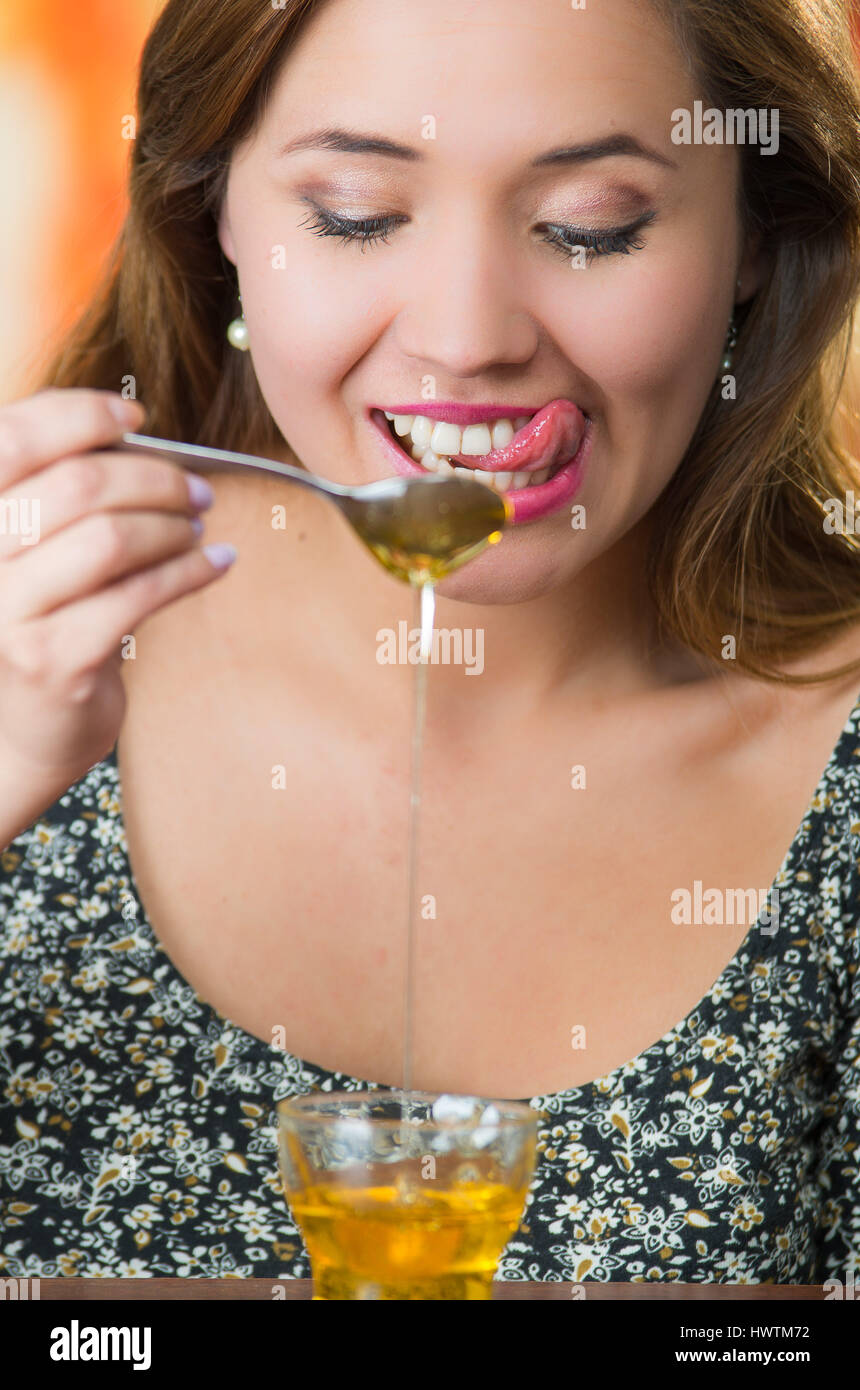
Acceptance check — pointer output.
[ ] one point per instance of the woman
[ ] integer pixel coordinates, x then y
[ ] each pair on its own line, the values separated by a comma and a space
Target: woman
438, 223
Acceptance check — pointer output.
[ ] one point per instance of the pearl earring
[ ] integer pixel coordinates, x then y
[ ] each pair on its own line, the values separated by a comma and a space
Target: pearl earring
731, 344
237, 332
731, 338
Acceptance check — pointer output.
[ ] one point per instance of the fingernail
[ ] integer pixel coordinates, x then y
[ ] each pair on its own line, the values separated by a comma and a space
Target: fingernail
197, 526
200, 492
220, 555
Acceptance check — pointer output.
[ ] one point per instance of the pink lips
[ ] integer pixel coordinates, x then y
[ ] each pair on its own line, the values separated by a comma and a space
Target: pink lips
558, 433
529, 504
457, 414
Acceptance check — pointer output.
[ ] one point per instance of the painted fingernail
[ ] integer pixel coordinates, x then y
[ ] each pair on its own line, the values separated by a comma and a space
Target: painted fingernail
197, 526
220, 555
200, 492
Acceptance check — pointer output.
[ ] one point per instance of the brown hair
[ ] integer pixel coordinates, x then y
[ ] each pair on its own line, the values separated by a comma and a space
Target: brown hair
739, 543
740, 547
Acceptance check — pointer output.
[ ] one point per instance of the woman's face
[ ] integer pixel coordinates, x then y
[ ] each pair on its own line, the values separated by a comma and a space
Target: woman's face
472, 292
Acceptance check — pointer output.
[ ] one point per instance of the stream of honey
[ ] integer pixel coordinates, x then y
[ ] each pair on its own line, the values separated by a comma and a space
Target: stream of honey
415, 1239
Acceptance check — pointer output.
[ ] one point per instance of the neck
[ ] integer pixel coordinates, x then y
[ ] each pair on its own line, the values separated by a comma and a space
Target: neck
310, 592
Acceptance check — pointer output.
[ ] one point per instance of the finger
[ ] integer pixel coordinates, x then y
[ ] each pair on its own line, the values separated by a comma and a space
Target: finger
86, 557
57, 496
51, 424
95, 627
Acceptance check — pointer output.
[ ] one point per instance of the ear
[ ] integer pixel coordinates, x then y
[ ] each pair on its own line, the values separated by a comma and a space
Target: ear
225, 235
754, 266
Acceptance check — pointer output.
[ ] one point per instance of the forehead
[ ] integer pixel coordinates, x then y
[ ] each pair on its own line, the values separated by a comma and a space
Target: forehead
495, 78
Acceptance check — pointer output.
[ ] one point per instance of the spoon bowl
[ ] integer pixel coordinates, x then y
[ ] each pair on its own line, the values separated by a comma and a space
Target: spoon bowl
419, 529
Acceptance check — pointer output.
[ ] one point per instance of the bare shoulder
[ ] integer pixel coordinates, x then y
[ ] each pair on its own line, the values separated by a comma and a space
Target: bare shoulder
806, 720
733, 717
840, 652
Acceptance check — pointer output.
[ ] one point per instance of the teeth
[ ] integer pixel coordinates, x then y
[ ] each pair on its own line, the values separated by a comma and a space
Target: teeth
503, 433
499, 482
432, 442
476, 440
446, 438
422, 428
473, 439
436, 464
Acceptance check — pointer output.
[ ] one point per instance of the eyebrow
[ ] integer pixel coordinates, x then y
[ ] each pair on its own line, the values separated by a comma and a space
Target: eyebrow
349, 142
355, 142
621, 144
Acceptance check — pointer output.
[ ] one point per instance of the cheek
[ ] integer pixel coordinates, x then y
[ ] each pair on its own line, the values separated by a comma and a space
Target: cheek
654, 331
648, 338
312, 306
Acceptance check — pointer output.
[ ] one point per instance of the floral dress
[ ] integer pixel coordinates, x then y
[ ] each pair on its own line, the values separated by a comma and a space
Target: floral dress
137, 1129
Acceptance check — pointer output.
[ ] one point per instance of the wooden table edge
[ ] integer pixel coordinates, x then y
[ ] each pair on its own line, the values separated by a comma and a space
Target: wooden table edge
200, 1290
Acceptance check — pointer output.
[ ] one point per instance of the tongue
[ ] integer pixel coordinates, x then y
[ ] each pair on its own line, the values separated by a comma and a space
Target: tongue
552, 436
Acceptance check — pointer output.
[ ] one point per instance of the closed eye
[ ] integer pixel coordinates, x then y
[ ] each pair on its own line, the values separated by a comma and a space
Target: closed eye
566, 239
363, 229
616, 241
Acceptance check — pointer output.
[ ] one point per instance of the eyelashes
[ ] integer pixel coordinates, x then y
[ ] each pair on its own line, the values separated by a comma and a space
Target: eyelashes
365, 230
565, 239
619, 241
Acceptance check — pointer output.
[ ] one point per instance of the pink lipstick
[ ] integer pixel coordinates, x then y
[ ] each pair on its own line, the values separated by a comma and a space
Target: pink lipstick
558, 436
457, 414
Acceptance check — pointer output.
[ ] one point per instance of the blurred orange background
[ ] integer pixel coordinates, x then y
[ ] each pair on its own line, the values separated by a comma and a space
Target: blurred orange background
67, 83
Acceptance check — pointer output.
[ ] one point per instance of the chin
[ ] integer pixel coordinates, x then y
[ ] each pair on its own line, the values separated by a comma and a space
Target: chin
502, 576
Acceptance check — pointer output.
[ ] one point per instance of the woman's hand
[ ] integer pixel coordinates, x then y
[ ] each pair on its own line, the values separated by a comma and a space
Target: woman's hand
91, 543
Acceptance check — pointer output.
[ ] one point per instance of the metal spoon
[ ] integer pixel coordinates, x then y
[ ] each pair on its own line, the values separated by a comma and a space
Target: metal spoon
420, 529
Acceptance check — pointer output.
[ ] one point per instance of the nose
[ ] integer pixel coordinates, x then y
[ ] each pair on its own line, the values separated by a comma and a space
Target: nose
463, 312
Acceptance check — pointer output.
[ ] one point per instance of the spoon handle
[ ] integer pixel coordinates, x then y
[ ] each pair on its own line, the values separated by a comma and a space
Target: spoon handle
225, 460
